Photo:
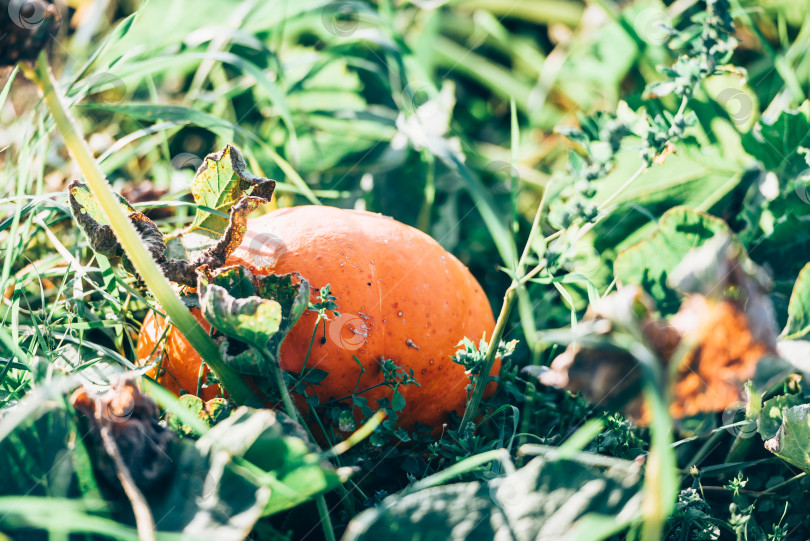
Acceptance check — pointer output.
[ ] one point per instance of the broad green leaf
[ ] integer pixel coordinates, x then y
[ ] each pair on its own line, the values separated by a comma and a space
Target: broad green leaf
791, 440
701, 178
204, 484
798, 323
29, 452
544, 500
59, 515
770, 417
221, 182
650, 262
275, 450
257, 311
778, 144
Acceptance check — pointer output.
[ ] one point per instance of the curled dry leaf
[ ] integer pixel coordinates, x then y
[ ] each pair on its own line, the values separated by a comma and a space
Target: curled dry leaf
21, 41
226, 194
221, 183
132, 419
254, 310
593, 364
710, 347
727, 325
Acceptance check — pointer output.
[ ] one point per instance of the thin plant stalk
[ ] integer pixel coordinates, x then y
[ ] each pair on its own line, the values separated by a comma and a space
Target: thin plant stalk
520, 279
292, 411
128, 237
503, 317
326, 521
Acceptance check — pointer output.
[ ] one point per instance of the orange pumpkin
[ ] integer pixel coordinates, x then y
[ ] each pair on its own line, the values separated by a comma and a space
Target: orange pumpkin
400, 295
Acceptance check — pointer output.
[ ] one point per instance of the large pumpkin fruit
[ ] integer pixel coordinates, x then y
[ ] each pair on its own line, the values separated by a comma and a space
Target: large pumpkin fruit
401, 296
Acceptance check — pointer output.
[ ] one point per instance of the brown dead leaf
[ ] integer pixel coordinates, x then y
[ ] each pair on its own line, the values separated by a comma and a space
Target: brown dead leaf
132, 420
723, 354
709, 349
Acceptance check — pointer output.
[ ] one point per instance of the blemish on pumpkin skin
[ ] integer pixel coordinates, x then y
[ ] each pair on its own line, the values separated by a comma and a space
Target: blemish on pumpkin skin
395, 305
424, 371
440, 367
410, 344
432, 361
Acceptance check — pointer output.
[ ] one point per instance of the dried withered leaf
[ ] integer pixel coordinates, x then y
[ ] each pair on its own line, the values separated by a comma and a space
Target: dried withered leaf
93, 220
713, 345
725, 347
221, 184
604, 373
727, 324
25, 29
132, 419
184, 272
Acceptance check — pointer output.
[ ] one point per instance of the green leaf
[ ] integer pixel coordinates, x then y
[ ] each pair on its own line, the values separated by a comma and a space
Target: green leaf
30, 452
255, 310
35, 437
778, 144
770, 417
277, 452
211, 412
251, 319
398, 401
544, 500
650, 262
790, 442
221, 181
60, 515
703, 178
798, 323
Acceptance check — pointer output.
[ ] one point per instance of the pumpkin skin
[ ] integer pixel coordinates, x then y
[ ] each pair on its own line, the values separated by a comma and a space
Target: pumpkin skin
179, 371
400, 296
